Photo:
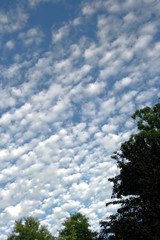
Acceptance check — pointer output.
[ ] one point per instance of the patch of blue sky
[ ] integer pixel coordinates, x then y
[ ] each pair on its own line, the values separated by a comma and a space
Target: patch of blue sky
48, 14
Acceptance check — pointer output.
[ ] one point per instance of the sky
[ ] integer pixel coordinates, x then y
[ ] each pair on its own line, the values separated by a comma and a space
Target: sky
72, 72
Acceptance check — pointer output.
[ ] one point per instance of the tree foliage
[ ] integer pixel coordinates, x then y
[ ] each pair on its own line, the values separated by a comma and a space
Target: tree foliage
137, 187
29, 229
76, 227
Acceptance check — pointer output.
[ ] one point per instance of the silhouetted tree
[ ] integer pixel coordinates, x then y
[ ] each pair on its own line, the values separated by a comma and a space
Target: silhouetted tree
137, 187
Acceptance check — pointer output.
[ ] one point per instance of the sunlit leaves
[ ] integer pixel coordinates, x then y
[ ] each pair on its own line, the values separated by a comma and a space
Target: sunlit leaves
29, 229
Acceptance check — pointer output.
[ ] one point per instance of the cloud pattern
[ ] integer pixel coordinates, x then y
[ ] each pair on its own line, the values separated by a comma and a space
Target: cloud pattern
66, 104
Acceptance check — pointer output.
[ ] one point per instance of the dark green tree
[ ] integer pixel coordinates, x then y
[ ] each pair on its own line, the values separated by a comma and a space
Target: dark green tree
137, 187
76, 227
29, 229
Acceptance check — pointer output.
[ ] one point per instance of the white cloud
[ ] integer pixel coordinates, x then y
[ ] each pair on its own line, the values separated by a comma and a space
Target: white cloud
6, 118
108, 56
91, 51
33, 35
149, 28
154, 52
146, 95
129, 4
12, 71
76, 21
142, 42
109, 128
59, 34
14, 211
130, 17
108, 106
7, 100
10, 44
88, 10
12, 21
34, 3
95, 88
80, 191
123, 83
114, 7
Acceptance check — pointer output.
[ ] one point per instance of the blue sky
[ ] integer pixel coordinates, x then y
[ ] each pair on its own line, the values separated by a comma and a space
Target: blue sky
71, 74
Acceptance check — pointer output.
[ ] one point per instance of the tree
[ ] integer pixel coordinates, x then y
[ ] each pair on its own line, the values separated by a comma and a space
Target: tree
137, 187
76, 227
29, 229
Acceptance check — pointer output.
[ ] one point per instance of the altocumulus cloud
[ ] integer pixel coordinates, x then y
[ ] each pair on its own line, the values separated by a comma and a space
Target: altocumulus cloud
71, 75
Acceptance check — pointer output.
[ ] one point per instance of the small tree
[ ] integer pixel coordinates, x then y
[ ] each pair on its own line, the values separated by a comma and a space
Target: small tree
137, 187
76, 227
29, 229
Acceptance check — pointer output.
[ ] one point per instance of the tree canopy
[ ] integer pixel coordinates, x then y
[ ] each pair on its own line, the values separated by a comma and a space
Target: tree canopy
76, 227
29, 229
137, 186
